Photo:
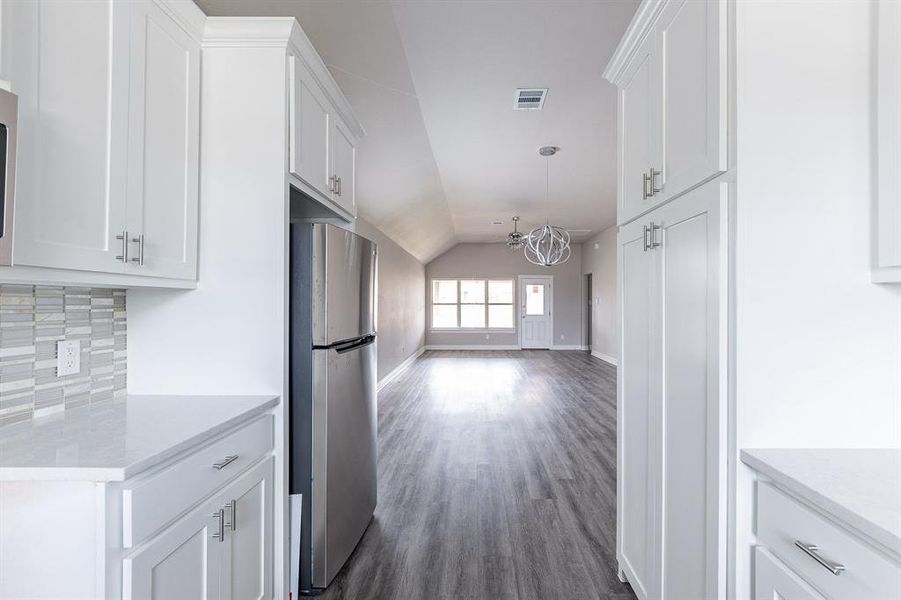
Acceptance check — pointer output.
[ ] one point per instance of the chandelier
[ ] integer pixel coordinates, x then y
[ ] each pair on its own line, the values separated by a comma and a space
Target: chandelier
547, 245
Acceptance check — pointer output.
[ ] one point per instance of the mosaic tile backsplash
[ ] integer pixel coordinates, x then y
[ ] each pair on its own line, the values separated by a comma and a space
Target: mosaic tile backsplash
32, 320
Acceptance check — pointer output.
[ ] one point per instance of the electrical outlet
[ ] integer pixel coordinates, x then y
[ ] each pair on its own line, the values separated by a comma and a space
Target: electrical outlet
68, 358
562, 336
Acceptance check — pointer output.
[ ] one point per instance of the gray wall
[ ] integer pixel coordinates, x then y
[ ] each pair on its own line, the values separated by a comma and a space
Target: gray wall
401, 325
498, 261
599, 259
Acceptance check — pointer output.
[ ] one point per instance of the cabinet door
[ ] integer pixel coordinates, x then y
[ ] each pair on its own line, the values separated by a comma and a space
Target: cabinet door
691, 55
247, 564
182, 562
164, 136
636, 484
887, 224
692, 504
774, 581
639, 127
71, 75
344, 156
309, 130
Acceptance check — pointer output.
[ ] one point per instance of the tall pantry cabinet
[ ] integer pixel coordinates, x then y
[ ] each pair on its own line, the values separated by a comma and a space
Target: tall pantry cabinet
670, 70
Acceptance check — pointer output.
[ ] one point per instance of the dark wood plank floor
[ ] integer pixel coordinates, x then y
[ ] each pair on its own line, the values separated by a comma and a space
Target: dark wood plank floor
497, 479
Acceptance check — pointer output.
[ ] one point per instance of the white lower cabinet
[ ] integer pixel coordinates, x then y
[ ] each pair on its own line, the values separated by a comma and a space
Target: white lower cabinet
672, 431
198, 526
774, 581
183, 562
817, 551
221, 550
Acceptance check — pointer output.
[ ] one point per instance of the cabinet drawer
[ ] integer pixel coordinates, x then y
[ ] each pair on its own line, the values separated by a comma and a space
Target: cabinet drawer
151, 502
772, 579
782, 521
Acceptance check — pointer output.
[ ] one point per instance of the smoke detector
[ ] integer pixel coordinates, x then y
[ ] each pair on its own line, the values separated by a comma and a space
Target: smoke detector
529, 98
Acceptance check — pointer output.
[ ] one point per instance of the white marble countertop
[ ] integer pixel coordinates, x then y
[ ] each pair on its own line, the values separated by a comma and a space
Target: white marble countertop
115, 440
860, 487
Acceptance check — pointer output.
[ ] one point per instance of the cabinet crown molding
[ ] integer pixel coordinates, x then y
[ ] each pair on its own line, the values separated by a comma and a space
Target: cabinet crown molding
280, 32
641, 25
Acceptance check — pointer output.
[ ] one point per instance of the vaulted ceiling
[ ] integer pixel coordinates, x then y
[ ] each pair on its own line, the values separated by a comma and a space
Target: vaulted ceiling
433, 83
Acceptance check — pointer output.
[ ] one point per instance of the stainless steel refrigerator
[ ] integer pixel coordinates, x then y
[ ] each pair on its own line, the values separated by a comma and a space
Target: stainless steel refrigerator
333, 394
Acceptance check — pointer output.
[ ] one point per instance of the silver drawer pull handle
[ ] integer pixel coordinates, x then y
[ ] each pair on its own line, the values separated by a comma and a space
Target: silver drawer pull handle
225, 462
811, 551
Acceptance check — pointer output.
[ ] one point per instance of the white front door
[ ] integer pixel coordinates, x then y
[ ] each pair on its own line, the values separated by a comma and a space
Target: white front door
535, 309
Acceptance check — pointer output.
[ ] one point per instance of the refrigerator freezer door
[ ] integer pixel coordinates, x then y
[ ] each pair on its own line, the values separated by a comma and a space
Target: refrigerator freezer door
344, 285
344, 459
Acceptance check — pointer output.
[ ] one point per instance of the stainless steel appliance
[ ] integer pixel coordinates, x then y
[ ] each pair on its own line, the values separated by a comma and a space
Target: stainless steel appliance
8, 123
333, 394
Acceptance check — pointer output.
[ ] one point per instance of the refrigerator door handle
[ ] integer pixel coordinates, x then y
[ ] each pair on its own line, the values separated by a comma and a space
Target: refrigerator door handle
354, 344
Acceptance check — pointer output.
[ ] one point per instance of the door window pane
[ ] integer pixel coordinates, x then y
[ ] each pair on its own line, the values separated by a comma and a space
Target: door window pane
500, 292
500, 315
535, 300
444, 292
444, 315
472, 291
472, 315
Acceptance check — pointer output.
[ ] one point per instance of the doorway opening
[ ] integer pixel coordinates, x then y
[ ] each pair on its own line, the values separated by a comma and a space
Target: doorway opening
586, 312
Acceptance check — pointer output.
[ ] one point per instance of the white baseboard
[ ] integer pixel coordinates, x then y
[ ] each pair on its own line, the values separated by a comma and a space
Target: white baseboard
400, 368
605, 357
470, 347
569, 347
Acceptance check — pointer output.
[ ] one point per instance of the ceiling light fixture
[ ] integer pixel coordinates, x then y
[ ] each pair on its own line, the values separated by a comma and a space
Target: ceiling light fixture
547, 245
515, 239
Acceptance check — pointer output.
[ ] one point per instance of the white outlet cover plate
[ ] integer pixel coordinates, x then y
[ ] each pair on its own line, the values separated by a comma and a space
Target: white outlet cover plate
68, 357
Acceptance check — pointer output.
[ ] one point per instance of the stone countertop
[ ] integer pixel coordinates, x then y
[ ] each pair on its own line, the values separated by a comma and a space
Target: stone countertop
859, 487
115, 440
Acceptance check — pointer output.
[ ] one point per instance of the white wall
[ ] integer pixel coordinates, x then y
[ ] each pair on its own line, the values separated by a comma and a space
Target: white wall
229, 335
818, 347
499, 261
599, 259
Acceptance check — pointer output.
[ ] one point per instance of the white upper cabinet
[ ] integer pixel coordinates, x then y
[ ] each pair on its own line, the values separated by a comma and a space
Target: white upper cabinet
887, 246
639, 122
322, 132
309, 130
670, 71
69, 67
344, 156
108, 169
163, 139
692, 61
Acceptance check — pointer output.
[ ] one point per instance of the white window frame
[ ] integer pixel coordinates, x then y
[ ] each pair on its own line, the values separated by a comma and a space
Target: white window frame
486, 304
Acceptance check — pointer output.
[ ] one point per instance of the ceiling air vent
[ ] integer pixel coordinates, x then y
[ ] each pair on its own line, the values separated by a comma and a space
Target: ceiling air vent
530, 98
